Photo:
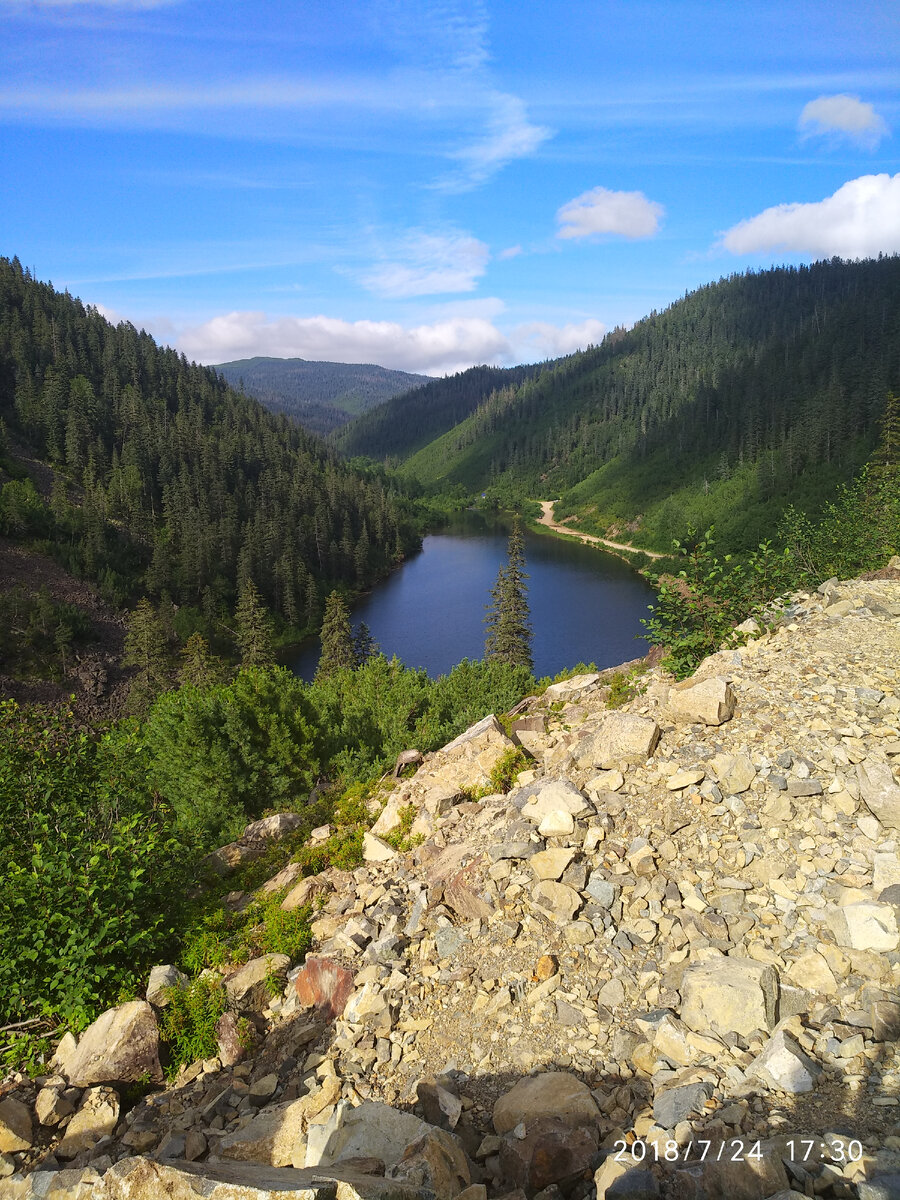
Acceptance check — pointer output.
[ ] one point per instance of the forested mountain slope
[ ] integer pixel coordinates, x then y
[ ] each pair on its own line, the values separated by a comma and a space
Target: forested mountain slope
322, 396
750, 393
402, 426
168, 481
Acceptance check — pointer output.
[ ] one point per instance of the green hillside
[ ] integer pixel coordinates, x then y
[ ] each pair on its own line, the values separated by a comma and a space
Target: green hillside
149, 475
321, 396
759, 390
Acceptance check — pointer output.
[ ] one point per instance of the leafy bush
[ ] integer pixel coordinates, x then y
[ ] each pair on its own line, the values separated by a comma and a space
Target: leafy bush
188, 1022
507, 767
224, 754
88, 868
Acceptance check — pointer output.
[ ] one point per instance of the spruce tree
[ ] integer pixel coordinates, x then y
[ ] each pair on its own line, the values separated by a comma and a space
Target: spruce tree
338, 650
147, 647
508, 626
364, 645
199, 667
254, 628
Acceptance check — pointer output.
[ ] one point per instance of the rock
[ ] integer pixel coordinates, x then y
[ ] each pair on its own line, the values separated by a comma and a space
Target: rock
373, 1130
678, 1103
866, 925
685, 779
622, 738
304, 892
548, 1094
276, 1135
376, 850
248, 987
568, 689
550, 864
709, 702
442, 1108
435, 1164
230, 1044
162, 980
616, 1180
735, 772
15, 1126
551, 1152
252, 842
600, 889
96, 1118
369, 1006
325, 985
729, 995
51, 1106
813, 972
741, 1174
880, 792
560, 901
122, 1045
557, 796
557, 823
783, 1065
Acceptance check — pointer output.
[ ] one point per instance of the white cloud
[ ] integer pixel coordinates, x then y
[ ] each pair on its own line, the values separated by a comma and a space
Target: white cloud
845, 116
427, 264
510, 135
599, 211
440, 348
861, 219
540, 339
510, 252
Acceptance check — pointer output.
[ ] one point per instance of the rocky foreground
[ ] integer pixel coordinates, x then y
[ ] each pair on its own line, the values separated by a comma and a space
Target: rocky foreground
665, 964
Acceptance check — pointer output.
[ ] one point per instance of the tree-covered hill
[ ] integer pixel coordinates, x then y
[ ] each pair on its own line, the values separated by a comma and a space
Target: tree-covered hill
750, 393
397, 429
321, 396
166, 481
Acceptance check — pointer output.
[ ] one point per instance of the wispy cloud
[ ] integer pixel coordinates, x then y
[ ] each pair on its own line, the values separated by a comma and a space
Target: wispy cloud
435, 349
601, 211
540, 339
426, 264
510, 252
860, 220
845, 117
509, 135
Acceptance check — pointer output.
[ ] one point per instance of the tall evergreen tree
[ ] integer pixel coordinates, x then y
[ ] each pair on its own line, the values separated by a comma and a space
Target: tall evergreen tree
148, 648
364, 645
199, 667
254, 628
508, 621
338, 650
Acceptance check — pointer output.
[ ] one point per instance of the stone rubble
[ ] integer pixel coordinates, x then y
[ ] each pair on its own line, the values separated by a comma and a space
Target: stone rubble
680, 928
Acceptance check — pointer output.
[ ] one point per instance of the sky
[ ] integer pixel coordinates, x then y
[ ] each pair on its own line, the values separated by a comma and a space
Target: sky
430, 184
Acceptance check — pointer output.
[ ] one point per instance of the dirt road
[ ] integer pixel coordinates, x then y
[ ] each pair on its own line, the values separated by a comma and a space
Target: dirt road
547, 519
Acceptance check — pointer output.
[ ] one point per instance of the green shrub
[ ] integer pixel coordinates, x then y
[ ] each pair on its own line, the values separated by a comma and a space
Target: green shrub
88, 867
222, 755
504, 772
188, 1022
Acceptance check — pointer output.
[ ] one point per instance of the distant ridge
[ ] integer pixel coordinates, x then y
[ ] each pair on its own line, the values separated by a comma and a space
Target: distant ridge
321, 396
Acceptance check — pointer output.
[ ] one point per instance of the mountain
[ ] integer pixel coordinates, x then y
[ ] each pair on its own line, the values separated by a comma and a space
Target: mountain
150, 475
321, 396
748, 394
398, 428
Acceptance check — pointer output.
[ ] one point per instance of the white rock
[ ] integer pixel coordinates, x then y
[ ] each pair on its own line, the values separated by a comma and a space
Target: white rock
783, 1065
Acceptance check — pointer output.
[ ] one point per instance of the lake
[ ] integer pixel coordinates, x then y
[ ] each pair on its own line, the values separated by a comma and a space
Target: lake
586, 605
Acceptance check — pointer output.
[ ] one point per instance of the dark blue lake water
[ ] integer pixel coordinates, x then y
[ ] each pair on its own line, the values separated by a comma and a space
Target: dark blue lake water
586, 605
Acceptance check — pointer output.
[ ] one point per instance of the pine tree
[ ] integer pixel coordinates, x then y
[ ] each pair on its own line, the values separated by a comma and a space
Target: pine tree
199, 667
146, 647
338, 651
254, 628
508, 625
364, 645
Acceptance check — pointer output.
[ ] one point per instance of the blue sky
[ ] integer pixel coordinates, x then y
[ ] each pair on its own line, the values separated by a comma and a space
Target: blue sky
434, 184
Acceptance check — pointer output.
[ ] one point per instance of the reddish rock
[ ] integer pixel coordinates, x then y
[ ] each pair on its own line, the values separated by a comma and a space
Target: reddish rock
324, 985
231, 1048
550, 1152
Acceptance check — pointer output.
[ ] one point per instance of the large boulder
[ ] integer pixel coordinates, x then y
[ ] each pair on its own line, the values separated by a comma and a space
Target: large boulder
551, 1152
880, 792
372, 1130
277, 1134
557, 796
252, 842
121, 1046
729, 995
15, 1126
865, 925
549, 1094
621, 738
435, 1163
783, 1065
96, 1118
248, 988
323, 984
709, 702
